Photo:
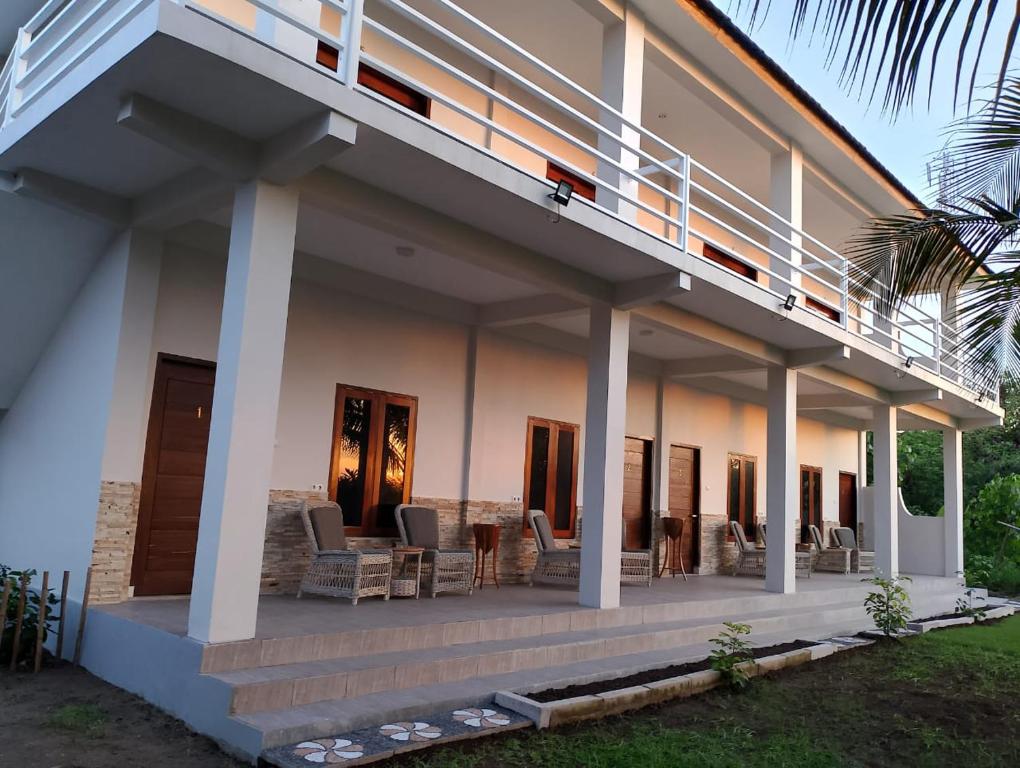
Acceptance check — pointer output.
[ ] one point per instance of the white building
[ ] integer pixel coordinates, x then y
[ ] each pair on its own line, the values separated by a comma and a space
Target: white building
233, 228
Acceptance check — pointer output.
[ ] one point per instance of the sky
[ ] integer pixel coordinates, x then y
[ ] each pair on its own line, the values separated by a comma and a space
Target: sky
906, 144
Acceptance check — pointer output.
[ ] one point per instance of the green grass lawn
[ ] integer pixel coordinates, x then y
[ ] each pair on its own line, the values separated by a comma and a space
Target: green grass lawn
946, 698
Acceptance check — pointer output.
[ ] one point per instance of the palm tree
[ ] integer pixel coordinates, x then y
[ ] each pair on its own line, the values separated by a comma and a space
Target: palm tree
894, 41
969, 240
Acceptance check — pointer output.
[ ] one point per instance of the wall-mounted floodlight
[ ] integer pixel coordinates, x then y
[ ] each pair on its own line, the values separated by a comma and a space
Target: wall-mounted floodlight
909, 362
790, 302
564, 191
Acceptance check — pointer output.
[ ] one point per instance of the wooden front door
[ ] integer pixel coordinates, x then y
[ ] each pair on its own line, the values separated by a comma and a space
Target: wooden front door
684, 483
810, 500
848, 500
637, 492
172, 477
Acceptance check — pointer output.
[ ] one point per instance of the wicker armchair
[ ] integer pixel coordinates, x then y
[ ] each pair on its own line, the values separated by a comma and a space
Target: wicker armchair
562, 567
442, 570
335, 570
804, 562
750, 559
860, 560
831, 559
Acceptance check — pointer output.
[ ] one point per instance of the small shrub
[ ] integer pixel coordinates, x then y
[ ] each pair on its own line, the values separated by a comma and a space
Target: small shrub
889, 605
30, 621
965, 606
86, 719
731, 650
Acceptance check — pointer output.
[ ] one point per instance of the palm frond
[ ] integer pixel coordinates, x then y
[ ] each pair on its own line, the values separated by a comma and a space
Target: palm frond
988, 317
879, 40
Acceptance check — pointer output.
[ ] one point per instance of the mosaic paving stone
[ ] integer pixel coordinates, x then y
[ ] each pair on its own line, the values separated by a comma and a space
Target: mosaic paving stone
367, 745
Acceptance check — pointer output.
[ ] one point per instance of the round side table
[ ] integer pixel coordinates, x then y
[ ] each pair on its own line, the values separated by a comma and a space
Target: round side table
405, 581
486, 541
673, 528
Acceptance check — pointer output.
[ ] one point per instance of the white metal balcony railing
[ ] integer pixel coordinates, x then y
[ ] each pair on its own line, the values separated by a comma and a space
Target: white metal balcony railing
631, 172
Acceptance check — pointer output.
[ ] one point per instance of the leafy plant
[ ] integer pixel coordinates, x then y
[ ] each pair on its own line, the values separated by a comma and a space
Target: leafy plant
965, 606
998, 501
889, 605
731, 651
30, 620
86, 719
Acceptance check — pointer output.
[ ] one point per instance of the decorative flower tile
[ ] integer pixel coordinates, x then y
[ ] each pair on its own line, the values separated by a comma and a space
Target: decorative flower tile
370, 744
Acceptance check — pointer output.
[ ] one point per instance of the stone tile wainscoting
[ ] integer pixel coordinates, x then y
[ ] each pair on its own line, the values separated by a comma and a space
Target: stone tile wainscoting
114, 544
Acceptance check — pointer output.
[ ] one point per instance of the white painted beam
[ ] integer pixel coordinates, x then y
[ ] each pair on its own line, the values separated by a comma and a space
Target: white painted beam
830, 400
184, 198
786, 196
649, 290
914, 396
208, 145
781, 484
686, 368
232, 525
979, 422
806, 358
303, 148
71, 196
605, 427
531, 309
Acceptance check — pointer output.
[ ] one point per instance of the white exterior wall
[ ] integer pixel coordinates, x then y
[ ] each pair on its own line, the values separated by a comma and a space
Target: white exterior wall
53, 438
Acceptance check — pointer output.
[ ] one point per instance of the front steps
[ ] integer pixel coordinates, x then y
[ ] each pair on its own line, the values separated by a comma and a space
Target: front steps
286, 690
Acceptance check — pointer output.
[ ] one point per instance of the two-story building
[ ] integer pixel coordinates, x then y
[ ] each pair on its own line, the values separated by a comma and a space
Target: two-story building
580, 256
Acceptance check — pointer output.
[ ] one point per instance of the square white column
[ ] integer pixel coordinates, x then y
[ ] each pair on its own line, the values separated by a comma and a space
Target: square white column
952, 465
786, 197
781, 481
232, 527
886, 512
604, 428
623, 54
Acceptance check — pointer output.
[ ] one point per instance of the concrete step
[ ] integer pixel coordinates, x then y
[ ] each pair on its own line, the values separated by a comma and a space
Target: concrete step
263, 689
504, 625
330, 718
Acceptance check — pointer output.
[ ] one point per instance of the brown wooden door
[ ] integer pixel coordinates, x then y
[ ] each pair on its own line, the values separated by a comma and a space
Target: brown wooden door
848, 500
637, 486
810, 500
684, 482
172, 477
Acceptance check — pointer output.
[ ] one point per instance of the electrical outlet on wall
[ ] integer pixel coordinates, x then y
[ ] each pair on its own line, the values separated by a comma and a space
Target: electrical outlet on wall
515, 498
317, 486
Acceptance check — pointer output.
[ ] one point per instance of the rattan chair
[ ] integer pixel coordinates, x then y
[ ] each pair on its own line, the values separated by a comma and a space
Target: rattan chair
830, 559
803, 562
750, 559
860, 560
336, 570
562, 567
443, 570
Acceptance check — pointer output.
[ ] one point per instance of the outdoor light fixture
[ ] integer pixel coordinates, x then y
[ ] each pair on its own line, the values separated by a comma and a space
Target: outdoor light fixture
909, 362
790, 302
564, 191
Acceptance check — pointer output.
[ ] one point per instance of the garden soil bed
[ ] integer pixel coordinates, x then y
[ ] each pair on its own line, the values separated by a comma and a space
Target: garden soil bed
66, 718
651, 675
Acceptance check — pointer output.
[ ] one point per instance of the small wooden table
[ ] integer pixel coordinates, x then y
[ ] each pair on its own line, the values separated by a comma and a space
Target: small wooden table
405, 581
486, 541
673, 528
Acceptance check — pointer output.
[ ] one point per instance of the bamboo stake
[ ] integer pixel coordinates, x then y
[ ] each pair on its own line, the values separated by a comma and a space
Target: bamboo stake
17, 623
3, 609
40, 627
63, 610
82, 616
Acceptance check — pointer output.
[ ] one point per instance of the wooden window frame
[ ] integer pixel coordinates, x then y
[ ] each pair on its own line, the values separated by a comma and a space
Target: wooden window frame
379, 401
814, 517
554, 428
718, 256
742, 457
582, 187
379, 82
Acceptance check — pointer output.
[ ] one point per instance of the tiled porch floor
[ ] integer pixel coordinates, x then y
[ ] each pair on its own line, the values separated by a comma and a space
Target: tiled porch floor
285, 616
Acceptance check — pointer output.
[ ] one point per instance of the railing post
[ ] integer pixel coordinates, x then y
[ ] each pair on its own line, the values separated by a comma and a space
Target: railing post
685, 210
938, 346
352, 41
844, 294
17, 73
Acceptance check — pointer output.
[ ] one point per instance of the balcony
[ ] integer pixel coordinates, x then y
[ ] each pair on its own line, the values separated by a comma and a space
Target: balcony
519, 82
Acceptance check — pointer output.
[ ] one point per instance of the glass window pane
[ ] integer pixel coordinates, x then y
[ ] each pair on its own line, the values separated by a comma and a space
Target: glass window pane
350, 490
734, 489
817, 496
564, 478
538, 480
393, 466
805, 497
748, 509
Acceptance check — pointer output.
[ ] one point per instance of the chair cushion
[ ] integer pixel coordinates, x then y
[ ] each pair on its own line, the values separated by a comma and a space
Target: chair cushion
544, 533
846, 538
816, 537
328, 527
422, 527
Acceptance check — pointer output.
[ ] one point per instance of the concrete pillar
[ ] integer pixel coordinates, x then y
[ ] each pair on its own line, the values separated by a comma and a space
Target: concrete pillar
623, 53
786, 197
781, 480
231, 534
886, 520
952, 465
605, 425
